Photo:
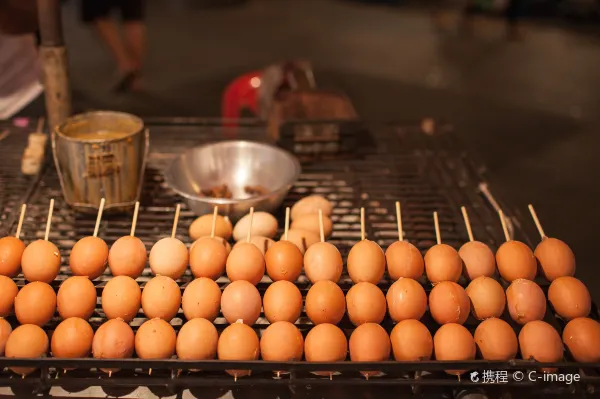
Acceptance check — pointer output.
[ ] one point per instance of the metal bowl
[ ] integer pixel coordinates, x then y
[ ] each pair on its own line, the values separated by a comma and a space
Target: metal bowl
237, 164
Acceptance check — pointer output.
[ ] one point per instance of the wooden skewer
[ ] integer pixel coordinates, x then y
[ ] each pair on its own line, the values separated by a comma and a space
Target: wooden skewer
399, 220
250, 227
177, 210
40, 125
287, 223
21, 218
321, 230
504, 227
362, 223
537, 221
109, 373
214, 222
49, 221
467, 222
99, 217
135, 216
436, 222
149, 371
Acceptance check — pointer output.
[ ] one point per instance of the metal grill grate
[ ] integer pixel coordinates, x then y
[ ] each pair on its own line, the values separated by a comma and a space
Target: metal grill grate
420, 171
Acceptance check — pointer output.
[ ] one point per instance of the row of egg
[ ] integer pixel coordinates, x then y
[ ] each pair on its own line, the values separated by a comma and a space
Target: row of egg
198, 339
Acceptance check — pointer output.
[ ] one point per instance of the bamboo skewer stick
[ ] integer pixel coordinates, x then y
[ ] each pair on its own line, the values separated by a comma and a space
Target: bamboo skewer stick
21, 218
214, 222
287, 223
537, 222
321, 230
99, 218
135, 217
250, 227
436, 222
176, 221
504, 226
399, 221
467, 223
49, 221
362, 224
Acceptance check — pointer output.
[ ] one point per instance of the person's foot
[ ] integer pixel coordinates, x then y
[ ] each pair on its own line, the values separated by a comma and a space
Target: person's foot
127, 82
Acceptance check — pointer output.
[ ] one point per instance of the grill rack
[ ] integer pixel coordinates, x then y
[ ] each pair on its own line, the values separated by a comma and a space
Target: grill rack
403, 164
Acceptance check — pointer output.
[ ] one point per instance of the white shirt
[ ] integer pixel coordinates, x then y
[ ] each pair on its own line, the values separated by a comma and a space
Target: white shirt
19, 73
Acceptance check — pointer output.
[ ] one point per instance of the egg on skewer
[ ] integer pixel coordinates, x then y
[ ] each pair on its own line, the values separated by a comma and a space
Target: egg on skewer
8, 293
283, 259
76, 298
11, 250
538, 340
238, 342
325, 303
169, 256
121, 298
201, 299
246, 261
406, 299
282, 302
366, 260
442, 262
155, 339
89, 255
526, 301
555, 257
411, 341
454, 342
26, 341
478, 259
128, 256
514, 258
114, 339
281, 342
203, 226
241, 301
197, 340
365, 303
449, 303
72, 339
323, 261
5, 331
310, 206
369, 342
255, 224
208, 255
569, 297
496, 340
35, 304
582, 337
41, 258
403, 259
487, 298
303, 239
325, 343
161, 298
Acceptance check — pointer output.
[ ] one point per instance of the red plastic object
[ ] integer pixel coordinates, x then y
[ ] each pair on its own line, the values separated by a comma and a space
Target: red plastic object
240, 94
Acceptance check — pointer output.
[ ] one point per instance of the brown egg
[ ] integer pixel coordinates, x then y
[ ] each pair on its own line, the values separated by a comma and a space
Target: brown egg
325, 303
325, 343
302, 239
5, 330
155, 339
41, 261
169, 257
207, 258
406, 299
365, 303
262, 243
121, 298
449, 303
282, 302
582, 338
8, 292
11, 251
28, 341
496, 340
220, 239
570, 298
197, 340
404, 260
556, 258
515, 260
202, 227
526, 301
72, 338
323, 261
241, 301
366, 262
238, 342
311, 205
478, 260
161, 298
284, 261
369, 342
201, 299
411, 341
245, 262
310, 222
442, 263
89, 257
263, 224
35, 304
113, 340
281, 342
538, 340
127, 257
76, 298
487, 298
454, 342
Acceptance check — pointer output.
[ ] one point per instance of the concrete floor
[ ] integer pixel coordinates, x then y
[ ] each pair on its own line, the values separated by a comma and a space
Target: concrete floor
528, 108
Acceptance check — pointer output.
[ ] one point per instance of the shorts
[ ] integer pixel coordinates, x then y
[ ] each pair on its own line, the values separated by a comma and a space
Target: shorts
131, 10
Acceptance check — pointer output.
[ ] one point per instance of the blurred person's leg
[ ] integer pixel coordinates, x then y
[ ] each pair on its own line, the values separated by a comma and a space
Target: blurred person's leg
97, 12
134, 28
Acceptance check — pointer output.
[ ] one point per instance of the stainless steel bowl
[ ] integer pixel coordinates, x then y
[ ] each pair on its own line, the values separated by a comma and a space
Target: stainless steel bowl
237, 164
